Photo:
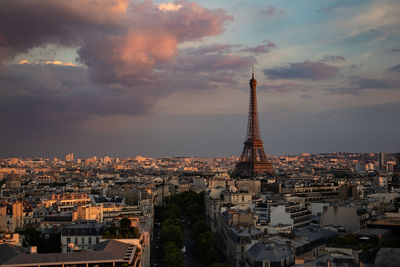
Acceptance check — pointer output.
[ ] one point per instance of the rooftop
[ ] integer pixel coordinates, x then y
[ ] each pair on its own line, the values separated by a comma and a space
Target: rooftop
273, 252
107, 251
388, 257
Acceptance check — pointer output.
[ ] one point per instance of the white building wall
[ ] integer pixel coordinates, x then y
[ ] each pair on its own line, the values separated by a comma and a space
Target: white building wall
344, 216
317, 208
280, 216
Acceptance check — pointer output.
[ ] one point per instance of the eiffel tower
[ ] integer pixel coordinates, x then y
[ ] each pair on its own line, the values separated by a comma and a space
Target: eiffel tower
253, 161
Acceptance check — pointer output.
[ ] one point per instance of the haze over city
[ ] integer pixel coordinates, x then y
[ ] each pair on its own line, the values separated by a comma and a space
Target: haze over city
160, 78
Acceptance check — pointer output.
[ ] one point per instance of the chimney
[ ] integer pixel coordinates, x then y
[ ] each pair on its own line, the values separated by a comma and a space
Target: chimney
33, 249
289, 245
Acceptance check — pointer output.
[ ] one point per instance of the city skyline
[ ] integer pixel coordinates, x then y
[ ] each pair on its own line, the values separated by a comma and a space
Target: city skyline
125, 78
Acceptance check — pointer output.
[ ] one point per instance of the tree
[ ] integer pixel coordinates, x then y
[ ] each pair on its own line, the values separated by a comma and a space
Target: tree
191, 204
134, 232
33, 237
125, 224
198, 227
125, 230
207, 248
193, 208
172, 255
172, 211
347, 240
173, 221
172, 233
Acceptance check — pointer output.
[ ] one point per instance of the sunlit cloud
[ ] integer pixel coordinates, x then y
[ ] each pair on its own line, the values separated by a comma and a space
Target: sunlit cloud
24, 61
47, 62
56, 62
169, 6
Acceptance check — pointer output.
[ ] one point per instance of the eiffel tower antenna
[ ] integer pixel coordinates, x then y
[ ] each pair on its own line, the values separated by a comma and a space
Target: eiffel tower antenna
253, 160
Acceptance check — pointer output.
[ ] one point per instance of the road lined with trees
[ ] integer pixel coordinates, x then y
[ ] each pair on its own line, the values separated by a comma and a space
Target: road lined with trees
184, 227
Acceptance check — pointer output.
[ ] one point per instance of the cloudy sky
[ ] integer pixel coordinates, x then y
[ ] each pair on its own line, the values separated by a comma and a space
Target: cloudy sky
159, 78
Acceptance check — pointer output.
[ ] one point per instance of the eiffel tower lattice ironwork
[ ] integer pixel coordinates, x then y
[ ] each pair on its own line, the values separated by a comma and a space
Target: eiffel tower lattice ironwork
253, 160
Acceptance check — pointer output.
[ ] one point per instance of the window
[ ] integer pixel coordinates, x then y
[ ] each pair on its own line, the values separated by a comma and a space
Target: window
97, 239
76, 240
90, 240
68, 249
83, 240
68, 240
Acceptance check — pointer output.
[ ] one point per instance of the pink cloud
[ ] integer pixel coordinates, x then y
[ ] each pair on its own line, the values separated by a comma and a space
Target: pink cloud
118, 39
128, 52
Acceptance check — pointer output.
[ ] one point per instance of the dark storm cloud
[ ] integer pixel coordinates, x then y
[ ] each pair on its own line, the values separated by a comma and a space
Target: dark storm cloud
394, 68
304, 70
43, 100
51, 97
28, 24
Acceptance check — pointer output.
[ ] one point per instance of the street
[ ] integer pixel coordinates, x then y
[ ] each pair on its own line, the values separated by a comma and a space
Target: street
156, 248
190, 259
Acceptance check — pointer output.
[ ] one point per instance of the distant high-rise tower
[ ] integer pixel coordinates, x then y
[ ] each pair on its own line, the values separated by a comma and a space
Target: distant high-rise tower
69, 157
397, 166
253, 161
382, 161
